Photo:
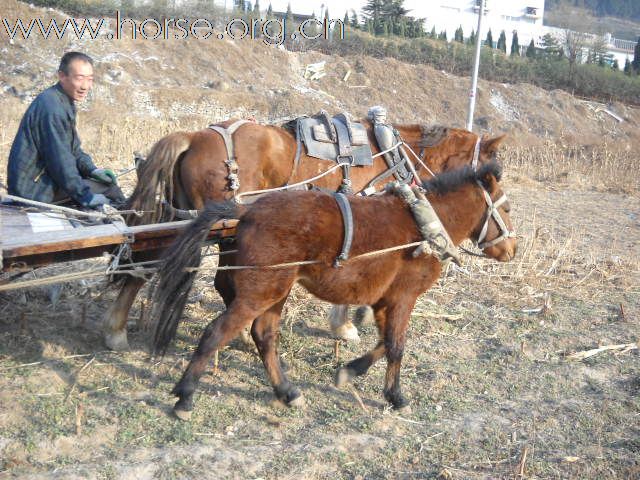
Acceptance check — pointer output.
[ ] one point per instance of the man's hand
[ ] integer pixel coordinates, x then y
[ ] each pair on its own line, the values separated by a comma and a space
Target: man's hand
104, 175
98, 200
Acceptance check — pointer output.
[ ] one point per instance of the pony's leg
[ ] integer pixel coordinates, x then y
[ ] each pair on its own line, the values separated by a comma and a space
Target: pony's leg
217, 334
224, 286
115, 322
265, 334
395, 336
341, 326
364, 314
361, 365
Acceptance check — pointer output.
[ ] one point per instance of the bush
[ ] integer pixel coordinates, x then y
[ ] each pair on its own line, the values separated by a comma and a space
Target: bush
546, 71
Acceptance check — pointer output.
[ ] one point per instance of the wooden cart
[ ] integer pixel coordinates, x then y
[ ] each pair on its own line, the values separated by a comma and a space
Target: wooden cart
30, 239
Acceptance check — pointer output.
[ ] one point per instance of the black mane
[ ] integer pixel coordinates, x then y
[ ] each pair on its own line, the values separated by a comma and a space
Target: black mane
453, 180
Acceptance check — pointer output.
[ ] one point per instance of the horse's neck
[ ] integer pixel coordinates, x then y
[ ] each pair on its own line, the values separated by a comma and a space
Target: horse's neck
459, 211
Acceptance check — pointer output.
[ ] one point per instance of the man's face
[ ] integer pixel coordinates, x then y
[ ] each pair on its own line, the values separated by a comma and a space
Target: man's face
79, 81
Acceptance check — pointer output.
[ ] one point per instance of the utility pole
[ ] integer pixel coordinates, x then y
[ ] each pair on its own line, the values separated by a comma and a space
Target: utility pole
476, 66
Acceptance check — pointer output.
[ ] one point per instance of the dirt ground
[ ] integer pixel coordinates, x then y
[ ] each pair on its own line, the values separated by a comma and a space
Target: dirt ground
494, 391
486, 368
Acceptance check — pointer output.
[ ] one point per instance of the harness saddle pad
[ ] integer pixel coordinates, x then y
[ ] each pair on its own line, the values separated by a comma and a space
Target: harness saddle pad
341, 141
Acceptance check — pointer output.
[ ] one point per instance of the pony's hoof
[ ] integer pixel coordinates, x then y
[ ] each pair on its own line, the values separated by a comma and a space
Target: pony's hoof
364, 314
184, 415
245, 338
343, 376
347, 332
116, 341
298, 402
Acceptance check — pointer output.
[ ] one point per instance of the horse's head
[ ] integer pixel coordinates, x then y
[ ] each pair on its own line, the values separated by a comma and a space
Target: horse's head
494, 234
444, 149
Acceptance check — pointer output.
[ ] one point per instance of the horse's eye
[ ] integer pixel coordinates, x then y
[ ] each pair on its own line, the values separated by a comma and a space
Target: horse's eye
506, 206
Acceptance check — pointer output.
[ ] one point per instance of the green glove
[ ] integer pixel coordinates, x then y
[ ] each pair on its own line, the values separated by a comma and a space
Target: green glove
104, 175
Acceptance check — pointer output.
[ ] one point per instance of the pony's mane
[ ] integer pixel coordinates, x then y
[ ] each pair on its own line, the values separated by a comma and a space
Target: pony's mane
432, 135
453, 180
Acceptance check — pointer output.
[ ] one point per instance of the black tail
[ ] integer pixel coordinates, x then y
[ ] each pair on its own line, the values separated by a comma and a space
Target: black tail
174, 281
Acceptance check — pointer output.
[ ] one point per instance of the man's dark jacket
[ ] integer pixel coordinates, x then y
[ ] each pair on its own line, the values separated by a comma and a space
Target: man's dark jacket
46, 156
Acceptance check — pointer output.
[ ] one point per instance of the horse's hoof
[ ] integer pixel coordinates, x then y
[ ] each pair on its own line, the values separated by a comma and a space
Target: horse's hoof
364, 314
347, 332
184, 415
298, 402
343, 376
404, 409
246, 339
116, 341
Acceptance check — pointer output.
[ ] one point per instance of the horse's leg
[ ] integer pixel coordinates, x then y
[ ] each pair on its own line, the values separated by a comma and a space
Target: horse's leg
224, 286
395, 336
341, 326
364, 314
361, 365
265, 334
115, 322
217, 334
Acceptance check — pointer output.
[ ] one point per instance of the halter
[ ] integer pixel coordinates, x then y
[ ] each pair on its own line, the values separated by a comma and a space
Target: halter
492, 212
476, 154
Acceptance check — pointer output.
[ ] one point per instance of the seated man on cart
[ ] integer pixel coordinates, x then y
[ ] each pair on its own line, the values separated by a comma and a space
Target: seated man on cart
46, 163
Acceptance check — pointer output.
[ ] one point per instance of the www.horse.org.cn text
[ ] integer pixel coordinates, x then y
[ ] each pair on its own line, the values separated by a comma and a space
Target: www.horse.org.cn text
273, 31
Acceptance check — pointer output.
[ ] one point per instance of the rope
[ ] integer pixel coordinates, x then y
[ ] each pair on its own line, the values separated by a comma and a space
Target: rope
419, 160
71, 211
130, 269
387, 150
293, 185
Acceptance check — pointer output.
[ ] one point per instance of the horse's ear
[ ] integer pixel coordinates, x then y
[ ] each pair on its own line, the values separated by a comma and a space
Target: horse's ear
489, 175
490, 146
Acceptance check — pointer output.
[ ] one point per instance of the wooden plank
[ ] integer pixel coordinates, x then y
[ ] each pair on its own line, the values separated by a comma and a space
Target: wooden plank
77, 238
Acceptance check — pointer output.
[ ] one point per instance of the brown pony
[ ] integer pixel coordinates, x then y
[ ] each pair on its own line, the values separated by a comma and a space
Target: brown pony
189, 169
306, 226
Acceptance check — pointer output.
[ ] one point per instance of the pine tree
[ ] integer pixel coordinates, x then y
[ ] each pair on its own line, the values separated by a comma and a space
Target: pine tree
515, 45
459, 35
373, 10
627, 67
472, 38
531, 50
502, 42
433, 32
635, 64
289, 14
326, 14
354, 19
256, 9
345, 20
270, 11
443, 35
489, 40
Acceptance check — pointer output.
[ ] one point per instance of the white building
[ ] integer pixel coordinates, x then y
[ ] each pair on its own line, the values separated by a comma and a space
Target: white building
523, 16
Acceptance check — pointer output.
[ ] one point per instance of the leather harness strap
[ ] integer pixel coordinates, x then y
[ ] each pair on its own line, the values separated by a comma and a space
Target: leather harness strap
347, 218
230, 162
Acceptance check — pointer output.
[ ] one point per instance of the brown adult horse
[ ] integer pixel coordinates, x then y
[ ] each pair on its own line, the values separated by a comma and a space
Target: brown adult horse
189, 169
306, 226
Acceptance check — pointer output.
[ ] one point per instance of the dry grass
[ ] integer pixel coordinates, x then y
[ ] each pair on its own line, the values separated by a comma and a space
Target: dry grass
604, 167
493, 395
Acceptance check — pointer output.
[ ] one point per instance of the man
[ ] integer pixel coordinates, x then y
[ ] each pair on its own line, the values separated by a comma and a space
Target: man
46, 162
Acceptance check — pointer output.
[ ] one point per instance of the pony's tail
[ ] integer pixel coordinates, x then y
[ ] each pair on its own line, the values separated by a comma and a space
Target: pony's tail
175, 278
155, 178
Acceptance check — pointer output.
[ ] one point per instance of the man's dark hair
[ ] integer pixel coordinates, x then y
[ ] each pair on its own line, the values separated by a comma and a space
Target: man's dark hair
69, 57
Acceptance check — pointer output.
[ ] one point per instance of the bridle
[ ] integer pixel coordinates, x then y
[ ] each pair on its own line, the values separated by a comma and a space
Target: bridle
492, 212
492, 208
